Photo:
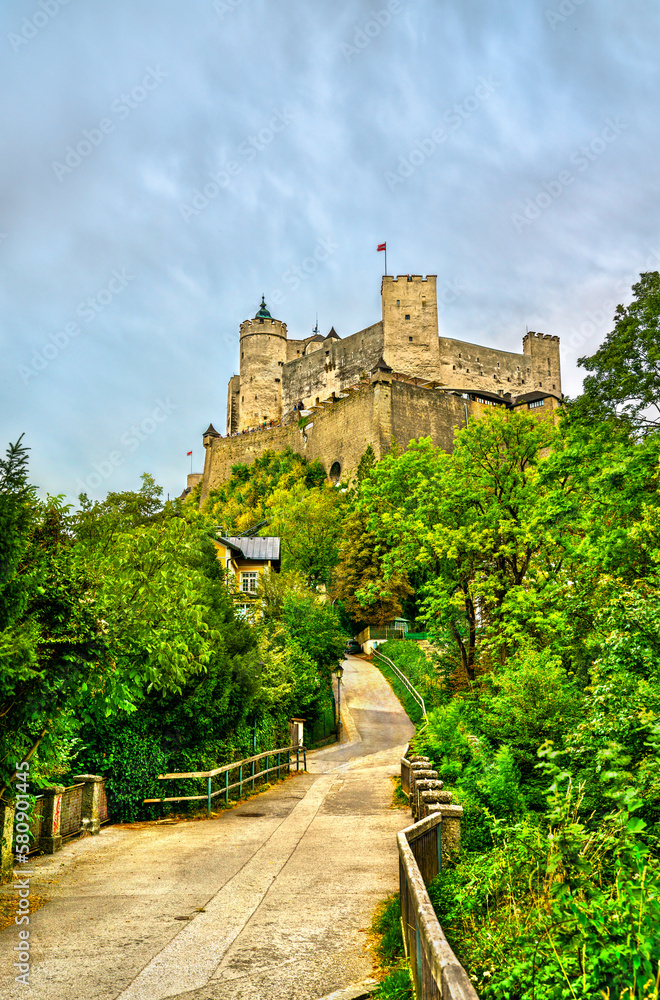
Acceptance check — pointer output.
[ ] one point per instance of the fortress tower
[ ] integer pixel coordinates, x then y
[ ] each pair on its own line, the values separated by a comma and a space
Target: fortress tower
263, 344
542, 349
410, 324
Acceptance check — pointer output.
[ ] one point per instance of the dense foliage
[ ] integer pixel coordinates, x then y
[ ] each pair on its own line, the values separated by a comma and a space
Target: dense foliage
542, 597
120, 650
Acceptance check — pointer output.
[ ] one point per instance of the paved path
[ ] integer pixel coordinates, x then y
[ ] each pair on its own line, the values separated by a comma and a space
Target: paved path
276, 895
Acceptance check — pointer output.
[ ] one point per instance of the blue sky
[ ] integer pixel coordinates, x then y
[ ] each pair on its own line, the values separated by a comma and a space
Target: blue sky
165, 163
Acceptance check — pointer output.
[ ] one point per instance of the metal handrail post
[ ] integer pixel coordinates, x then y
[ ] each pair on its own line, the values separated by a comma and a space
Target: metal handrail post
226, 787
208, 796
240, 781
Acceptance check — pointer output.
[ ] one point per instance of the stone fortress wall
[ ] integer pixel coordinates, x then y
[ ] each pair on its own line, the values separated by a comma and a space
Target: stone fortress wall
393, 381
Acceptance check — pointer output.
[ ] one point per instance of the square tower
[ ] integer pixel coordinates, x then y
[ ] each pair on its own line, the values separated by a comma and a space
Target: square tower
410, 324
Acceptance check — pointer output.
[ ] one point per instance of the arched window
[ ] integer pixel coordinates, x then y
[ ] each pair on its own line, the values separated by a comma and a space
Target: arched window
335, 472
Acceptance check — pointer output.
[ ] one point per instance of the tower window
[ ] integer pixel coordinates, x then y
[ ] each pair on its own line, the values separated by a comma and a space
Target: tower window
398, 302
459, 355
477, 359
277, 380
407, 315
410, 339
242, 354
255, 397
454, 367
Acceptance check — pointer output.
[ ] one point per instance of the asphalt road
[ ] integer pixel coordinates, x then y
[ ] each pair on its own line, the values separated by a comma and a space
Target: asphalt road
270, 901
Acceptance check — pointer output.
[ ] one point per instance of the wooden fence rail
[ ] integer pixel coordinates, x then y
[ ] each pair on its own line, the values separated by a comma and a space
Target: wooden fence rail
247, 772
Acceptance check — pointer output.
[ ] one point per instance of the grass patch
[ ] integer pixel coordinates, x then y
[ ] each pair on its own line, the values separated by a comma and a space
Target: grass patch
386, 927
412, 709
396, 986
399, 797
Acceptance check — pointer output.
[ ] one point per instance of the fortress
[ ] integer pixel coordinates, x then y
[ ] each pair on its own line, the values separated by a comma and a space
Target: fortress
329, 397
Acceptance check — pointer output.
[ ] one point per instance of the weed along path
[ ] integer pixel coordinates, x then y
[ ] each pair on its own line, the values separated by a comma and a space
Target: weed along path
271, 900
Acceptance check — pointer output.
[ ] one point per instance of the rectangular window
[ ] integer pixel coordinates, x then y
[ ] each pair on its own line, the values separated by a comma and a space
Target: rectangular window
249, 582
535, 403
410, 339
407, 315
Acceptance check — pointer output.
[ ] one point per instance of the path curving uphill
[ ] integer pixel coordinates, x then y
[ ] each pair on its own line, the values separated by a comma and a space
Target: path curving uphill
272, 900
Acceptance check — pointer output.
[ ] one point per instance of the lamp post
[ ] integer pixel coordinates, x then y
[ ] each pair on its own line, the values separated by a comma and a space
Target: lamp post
339, 670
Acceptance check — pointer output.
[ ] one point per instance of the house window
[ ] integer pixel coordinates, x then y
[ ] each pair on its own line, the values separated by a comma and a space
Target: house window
249, 582
533, 405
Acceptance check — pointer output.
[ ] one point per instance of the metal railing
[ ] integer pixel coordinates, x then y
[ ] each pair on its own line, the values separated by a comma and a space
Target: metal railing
404, 680
71, 811
282, 756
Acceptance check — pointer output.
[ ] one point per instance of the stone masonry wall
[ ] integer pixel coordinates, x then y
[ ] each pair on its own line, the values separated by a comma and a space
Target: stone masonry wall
377, 414
339, 432
333, 366
468, 366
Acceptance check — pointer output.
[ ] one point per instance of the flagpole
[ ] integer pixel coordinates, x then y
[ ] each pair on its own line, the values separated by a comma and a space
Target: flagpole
385, 260
191, 463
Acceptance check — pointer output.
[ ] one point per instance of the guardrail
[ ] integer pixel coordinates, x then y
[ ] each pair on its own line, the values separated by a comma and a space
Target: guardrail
423, 849
402, 677
437, 974
254, 774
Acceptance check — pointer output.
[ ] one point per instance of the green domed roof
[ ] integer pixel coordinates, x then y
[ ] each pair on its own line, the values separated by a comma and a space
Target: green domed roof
263, 310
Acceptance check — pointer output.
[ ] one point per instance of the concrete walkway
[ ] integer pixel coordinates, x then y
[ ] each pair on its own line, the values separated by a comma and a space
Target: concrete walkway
271, 901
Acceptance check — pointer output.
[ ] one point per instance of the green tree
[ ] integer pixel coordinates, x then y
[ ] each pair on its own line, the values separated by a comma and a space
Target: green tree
309, 524
482, 523
625, 379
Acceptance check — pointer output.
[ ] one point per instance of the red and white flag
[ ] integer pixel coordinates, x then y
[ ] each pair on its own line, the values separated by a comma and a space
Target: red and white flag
188, 453
381, 246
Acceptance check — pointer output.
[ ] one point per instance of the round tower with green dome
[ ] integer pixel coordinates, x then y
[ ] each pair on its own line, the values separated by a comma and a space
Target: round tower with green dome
263, 355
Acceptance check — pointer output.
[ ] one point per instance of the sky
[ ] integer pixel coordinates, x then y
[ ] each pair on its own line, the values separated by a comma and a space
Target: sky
166, 163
